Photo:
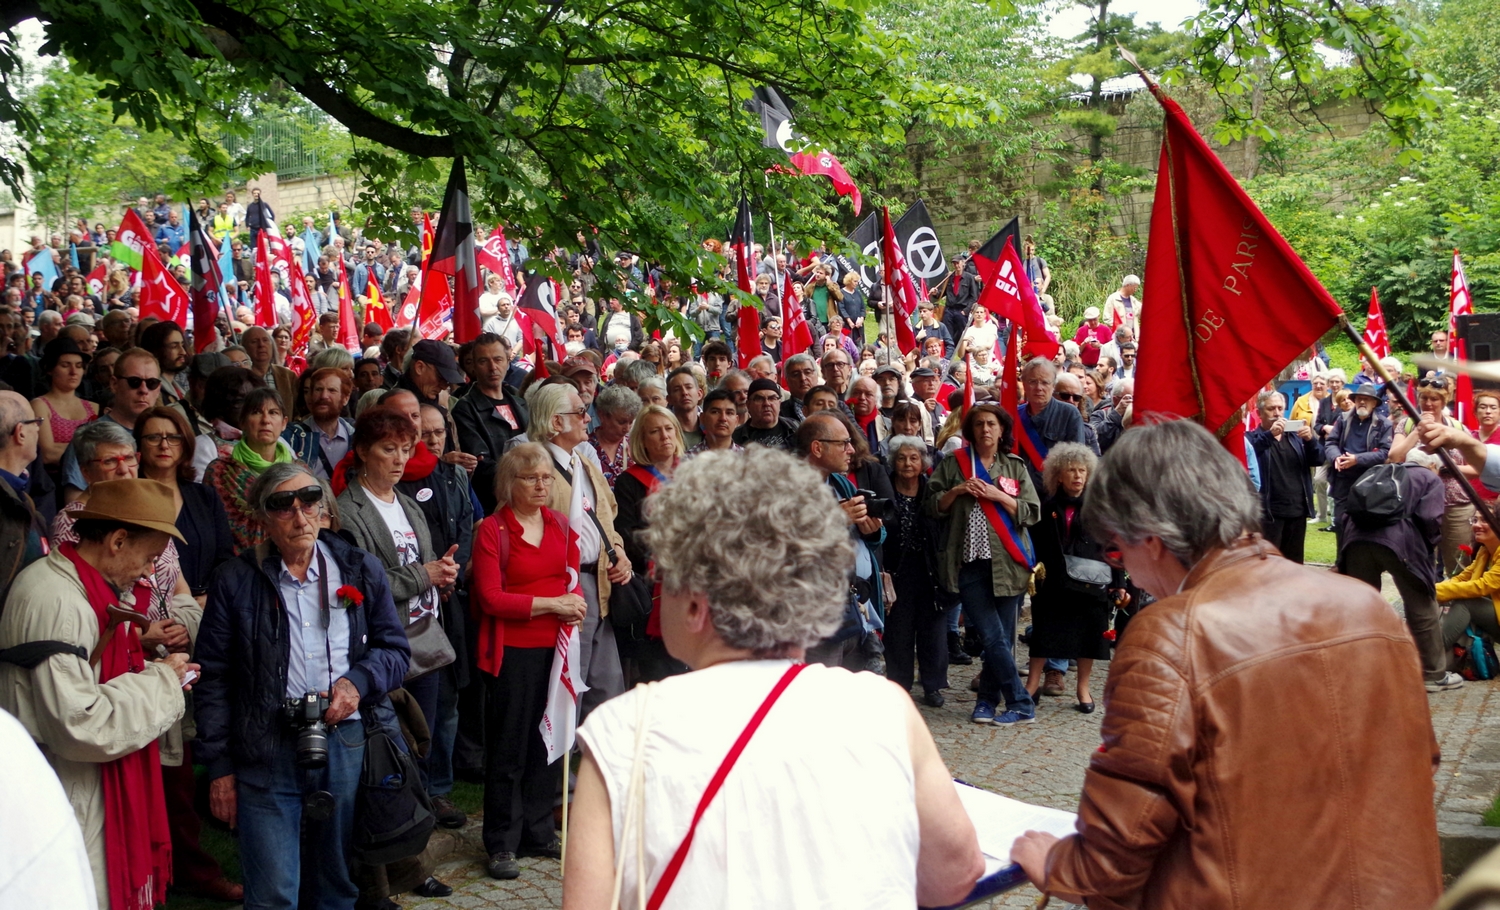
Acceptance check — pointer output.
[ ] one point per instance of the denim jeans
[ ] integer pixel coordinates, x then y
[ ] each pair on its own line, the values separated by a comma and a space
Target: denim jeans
994, 618
270, 821
1057, 663
444, 735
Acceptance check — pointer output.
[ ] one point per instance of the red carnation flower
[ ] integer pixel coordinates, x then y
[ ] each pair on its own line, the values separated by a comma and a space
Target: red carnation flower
350, 596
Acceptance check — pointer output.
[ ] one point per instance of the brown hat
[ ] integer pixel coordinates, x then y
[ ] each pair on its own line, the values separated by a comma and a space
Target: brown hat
578, 364
144, 503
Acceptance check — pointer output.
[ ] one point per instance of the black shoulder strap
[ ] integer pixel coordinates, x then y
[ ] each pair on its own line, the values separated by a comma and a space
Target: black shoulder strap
609, 548
31, 654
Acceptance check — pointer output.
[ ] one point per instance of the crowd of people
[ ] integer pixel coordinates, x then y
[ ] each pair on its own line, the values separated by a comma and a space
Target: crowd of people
395, 534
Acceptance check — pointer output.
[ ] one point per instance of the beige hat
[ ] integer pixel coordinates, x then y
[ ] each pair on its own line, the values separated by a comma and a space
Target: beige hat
1091, 313
144, 503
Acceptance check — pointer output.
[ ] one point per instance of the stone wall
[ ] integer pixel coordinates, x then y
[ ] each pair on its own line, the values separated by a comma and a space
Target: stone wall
314, 196
970, 199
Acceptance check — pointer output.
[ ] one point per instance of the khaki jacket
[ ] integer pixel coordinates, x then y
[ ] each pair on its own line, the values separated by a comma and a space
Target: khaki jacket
1266, 743
562, 495
77, 722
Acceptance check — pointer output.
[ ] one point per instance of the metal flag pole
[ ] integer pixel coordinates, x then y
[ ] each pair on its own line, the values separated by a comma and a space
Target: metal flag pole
1389, 381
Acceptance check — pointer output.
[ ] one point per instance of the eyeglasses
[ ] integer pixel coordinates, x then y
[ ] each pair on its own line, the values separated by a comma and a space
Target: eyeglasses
580, 413
111, 461
33, 422
845, 443
1070, 397
1114, 556
534, 479
280, 504
170, 440
135, 382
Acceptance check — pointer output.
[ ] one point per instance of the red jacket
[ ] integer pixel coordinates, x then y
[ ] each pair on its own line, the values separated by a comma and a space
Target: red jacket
509, 573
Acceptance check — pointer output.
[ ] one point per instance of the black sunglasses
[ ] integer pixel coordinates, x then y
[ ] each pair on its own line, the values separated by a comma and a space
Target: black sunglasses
1070, 397
280, 503
135, 382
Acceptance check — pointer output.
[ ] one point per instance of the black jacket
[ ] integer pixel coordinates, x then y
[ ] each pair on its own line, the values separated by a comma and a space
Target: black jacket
243, 646
485, 435
208, 541
1310, 453
258, 214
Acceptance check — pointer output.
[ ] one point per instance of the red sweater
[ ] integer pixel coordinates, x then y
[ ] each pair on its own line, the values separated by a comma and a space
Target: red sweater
502, 594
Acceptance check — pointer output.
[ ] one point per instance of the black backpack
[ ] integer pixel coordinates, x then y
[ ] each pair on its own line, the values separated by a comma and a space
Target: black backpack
1381, 496
393, 815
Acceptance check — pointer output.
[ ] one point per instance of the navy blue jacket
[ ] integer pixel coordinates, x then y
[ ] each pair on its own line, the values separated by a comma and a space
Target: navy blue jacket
1310, 453
243, 650
1368, 440
205, 528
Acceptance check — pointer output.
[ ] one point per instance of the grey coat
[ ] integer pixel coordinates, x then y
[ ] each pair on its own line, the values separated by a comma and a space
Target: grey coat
362, 521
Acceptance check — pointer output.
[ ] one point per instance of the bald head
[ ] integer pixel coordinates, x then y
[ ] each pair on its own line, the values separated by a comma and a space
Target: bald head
1069, 384
18, 445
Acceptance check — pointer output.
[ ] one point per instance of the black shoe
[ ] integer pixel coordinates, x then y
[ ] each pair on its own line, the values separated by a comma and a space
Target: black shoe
1329, 529
432, 888
934, 699
1084, 707
550, 851
956, 653
448, 815
503, 866
383, 903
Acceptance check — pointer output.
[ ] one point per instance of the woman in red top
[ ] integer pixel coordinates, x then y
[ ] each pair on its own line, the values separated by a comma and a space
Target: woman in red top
525, 583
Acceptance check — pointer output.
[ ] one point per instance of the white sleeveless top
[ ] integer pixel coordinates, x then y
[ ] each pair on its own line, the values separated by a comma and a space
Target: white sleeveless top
819, 811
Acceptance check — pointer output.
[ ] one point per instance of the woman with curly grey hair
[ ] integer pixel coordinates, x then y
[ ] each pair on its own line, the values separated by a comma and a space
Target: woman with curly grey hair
1070, 611
794, 821
915, 623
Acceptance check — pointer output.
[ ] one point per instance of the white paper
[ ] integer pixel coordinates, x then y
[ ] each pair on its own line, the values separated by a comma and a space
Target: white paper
999, 820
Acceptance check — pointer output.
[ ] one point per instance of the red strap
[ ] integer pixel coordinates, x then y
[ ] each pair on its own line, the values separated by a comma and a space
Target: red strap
664, 884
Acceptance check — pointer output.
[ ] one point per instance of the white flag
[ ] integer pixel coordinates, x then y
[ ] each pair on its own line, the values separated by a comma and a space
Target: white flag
560, 720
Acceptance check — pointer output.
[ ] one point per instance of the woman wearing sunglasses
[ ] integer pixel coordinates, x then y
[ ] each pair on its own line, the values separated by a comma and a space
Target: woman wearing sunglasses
1434, 392
262, 418
164, 444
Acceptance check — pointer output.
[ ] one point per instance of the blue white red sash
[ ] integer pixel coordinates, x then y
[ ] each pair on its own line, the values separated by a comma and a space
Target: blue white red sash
1015, 541
1030, 441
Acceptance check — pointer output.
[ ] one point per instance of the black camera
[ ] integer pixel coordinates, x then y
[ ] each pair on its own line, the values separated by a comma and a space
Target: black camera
305, 715
875, 507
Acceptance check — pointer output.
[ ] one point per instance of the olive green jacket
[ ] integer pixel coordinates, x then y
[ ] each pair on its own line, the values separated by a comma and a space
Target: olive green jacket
1010, 577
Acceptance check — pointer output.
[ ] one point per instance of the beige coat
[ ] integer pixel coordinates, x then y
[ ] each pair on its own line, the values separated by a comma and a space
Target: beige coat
77, 722
562, 496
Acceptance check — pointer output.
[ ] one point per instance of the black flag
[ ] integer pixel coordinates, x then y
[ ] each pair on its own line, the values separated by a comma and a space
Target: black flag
920, 246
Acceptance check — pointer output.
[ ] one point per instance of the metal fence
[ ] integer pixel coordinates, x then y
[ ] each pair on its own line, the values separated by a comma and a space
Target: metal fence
296, 146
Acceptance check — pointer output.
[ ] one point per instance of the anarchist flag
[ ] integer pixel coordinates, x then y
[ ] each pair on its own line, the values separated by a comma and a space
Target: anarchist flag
742, 241
806, 158
1231, 303
539, 300
453, 254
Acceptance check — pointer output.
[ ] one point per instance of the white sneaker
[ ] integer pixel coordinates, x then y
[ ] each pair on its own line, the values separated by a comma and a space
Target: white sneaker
1450, 681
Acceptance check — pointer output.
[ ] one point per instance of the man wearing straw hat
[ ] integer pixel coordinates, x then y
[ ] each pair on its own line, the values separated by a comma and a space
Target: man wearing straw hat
73, 671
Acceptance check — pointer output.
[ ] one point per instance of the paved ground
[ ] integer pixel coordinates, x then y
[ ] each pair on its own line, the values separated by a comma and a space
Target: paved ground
1042, 763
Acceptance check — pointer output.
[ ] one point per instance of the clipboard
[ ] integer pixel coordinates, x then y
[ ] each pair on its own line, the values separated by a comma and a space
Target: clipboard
999, 820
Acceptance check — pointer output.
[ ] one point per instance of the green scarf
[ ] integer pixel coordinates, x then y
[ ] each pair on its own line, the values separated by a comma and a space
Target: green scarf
251, 459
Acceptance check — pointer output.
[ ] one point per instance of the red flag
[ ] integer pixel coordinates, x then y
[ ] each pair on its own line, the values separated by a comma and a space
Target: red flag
427, 239
822, 162
435, 302
375, 309
1375, 335
161, 295
742, 240
1008, 294
348, 331
207, 284
776, 120
304, 316
495, 256
796, 336
1232, 303
898, 287
265, 286
453, 254
1460, 303
96, 280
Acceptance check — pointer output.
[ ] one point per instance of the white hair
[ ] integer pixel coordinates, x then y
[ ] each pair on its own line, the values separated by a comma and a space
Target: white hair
1131, 279
776, 568
547, 402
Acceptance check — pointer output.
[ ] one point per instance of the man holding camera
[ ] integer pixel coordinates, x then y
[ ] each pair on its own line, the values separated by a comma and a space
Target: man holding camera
76, 673
824, 440
300, 642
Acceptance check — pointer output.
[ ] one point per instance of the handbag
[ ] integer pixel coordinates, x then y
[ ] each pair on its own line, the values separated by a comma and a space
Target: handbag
430, 648
1087, 576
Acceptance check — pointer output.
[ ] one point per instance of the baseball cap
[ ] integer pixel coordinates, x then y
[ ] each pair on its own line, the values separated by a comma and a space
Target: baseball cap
578, 364
922, 373
439, 355
888, 368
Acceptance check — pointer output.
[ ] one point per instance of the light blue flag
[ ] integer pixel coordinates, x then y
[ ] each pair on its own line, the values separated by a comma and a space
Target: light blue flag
42, 262
73, 255
226, 269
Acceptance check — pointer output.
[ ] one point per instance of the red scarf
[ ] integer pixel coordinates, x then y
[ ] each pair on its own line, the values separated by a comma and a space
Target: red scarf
422, 463
137, 842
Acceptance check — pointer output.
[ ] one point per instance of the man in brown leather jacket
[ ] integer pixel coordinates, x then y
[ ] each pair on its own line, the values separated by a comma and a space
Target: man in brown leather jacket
1266, 741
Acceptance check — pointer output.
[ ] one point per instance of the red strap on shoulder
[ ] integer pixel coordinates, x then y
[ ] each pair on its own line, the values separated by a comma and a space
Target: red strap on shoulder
664, 884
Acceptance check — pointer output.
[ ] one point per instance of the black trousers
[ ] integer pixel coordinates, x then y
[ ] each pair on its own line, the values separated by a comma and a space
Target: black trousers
518, 784
1289, 535
915, 625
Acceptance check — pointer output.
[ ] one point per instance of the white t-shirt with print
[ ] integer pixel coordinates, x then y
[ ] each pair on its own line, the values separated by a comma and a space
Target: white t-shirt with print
410, 553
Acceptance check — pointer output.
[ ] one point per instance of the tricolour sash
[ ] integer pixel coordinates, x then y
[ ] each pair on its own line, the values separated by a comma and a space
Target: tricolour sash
1012, 538
1030, 441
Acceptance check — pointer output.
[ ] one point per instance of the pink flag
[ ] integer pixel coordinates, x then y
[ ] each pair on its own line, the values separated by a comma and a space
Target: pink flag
564, 687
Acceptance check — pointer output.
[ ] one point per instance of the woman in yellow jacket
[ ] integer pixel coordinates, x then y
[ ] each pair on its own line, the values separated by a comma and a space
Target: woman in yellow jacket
1472, 597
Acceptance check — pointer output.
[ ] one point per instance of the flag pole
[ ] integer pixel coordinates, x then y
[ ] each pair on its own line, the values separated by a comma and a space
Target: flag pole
1389, 381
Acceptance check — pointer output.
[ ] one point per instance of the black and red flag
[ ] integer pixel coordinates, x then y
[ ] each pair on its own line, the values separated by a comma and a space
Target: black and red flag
742, 241
1230, 303
205, 292
453, 254
539, 301
776, 119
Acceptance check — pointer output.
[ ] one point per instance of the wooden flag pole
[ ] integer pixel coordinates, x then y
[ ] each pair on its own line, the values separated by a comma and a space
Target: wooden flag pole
1389, 381
562, 862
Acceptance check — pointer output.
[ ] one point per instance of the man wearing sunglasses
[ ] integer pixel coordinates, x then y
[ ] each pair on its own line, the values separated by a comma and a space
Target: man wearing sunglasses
137, 386
1254, 701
